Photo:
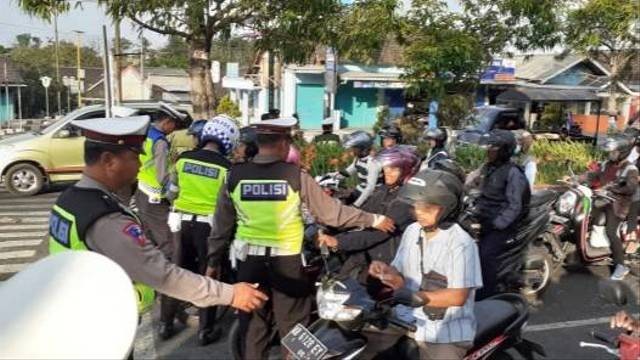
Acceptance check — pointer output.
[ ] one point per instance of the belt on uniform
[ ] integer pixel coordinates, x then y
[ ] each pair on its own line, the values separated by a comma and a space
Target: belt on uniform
198, 218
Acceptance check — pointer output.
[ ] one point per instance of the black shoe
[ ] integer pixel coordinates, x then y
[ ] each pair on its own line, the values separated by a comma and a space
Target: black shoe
206, 337
165, 331
182, 316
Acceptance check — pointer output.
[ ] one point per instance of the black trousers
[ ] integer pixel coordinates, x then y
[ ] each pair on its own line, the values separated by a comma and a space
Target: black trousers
632, 218
611, 228
289, 290
491, 245
191, 255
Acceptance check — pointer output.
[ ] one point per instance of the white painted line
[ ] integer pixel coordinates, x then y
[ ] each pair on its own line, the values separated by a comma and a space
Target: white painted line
25, 207
11, 268
19, 243
24, 201
31, 220
568, 324
14, 227
23, 235
25, 213
19, 254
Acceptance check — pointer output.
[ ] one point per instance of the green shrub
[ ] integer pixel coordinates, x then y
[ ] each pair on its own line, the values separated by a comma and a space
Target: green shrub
469, 157
228, 107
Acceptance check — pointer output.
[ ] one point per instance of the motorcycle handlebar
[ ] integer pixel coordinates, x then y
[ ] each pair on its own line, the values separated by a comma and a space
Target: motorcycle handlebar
611, 339
402, 324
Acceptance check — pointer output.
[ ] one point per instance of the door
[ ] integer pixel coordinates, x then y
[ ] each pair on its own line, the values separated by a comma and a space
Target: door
310, 105
66, 150
357, 105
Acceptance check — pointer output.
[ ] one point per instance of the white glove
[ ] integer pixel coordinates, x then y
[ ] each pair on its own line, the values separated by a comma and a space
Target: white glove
174, 221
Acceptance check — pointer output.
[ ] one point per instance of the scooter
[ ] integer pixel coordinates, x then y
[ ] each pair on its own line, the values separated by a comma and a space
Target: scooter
346, 312
525, 266
623, 345
573, 225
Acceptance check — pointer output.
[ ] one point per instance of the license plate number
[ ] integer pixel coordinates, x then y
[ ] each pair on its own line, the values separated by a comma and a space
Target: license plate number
303, 345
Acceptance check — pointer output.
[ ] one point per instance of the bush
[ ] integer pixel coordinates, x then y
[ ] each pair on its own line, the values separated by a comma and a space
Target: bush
228, 107
454, 109
320, 159
469, 157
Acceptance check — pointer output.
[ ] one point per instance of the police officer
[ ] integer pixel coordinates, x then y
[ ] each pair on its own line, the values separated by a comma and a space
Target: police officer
194, 191
327, 136
262, 201
88, 216
503, 201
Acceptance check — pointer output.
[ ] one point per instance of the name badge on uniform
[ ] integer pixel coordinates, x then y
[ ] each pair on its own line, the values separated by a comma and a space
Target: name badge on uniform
60, 228
201, 170
277, 191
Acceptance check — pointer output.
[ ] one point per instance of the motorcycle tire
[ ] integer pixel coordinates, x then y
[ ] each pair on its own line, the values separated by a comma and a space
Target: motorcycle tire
537, 280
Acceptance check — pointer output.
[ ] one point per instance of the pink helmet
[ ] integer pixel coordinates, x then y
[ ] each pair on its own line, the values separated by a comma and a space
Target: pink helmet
294, 156
404, 157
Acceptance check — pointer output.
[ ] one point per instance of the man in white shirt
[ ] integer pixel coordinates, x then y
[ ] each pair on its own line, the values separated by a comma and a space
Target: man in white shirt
440, 261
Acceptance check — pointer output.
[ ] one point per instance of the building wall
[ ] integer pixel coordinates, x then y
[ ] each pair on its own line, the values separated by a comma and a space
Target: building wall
7, 109
132, 88
359, 107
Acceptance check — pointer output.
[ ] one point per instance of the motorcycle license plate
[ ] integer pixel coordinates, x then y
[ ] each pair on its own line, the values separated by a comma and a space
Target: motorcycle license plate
303, 345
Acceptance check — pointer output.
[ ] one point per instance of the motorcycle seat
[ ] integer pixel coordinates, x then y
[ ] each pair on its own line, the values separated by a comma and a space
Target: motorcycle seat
493, 317
542, 197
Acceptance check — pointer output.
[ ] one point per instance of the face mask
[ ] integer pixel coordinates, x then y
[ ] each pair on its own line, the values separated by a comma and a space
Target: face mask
517, 150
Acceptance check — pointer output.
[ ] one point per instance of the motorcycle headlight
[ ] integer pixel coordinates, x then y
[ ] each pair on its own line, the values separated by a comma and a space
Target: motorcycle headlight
331, 305
567, 203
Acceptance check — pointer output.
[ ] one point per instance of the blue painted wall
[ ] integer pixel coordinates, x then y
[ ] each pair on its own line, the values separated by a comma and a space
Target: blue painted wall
358, 106
310, 105
6, 109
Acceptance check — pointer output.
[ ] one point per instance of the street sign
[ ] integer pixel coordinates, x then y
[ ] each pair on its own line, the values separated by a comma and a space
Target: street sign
46, 81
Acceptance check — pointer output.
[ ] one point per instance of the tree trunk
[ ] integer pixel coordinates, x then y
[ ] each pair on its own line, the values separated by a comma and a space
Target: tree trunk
202, 95
614, 66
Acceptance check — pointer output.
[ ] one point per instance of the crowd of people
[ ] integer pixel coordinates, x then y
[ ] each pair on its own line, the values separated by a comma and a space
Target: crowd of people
224, 224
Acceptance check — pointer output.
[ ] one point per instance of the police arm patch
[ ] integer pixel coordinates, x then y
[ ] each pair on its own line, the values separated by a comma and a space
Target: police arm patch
134, 231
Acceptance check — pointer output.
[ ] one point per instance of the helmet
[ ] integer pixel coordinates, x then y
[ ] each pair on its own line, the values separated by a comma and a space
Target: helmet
196, 127
618, 147
360, 140
391, 131
504, 140
221, 130
249, 138
435, 187
294, 156
437, 134
401, 156
451, 167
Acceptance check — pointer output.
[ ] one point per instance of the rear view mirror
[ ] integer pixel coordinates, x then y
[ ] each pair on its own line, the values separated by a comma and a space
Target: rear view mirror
63, 134
407, 297
613, 292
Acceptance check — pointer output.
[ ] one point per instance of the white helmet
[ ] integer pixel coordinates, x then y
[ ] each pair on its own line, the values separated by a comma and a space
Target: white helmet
222, 130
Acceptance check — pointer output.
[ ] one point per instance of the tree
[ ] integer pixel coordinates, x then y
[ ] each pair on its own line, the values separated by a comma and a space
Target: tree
609, 30
174, 54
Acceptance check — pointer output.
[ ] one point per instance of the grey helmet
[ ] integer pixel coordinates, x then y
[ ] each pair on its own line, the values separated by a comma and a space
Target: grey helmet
435, 187
437, 134
452, 167
504, 140
360, 140
391, 131
622, 144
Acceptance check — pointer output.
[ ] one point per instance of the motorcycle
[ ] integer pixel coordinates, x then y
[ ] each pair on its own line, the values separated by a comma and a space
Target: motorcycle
574, 226
346, 310
525, 266
623, 345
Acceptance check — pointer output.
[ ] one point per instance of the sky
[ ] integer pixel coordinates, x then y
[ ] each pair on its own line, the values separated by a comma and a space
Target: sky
89, 19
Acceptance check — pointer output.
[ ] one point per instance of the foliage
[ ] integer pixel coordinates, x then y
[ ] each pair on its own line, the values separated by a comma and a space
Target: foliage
381, 119
228, 107
320, 159
175, 54
411, 130
552, 117
454, 109
469, 157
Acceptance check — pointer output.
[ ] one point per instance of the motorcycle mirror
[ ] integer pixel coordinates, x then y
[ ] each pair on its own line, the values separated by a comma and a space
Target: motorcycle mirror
407, 297
614, 292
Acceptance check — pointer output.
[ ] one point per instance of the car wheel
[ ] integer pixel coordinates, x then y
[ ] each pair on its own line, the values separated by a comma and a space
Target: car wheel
24, 179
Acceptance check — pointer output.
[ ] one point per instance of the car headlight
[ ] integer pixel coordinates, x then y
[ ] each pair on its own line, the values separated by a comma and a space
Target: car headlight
331, 305
567, 203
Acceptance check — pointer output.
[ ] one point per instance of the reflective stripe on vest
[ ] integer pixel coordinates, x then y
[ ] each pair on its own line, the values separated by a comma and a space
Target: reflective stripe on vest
199, 183
268, 213
148, 174
63, 236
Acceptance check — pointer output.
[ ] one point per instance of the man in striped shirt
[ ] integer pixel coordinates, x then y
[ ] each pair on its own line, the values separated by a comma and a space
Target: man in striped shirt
439, 261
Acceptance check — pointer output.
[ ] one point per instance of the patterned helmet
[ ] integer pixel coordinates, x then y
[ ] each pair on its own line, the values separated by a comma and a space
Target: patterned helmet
221, 130
403, 157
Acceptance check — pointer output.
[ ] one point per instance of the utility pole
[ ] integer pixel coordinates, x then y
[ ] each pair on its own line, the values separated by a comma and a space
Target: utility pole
79, 65
55, 29
118, 57
6, 93
108, 101
141, 66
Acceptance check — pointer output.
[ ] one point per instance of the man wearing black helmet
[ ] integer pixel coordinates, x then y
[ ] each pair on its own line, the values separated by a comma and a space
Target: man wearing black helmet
504, 197
439, 261
620, 177
390, 136
247, 146
364, 166
437, 140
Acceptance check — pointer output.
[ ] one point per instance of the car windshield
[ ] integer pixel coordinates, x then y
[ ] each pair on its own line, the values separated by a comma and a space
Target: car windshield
481, 118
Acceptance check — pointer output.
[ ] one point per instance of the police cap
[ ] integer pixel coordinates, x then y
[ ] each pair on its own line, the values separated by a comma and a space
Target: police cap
127, 131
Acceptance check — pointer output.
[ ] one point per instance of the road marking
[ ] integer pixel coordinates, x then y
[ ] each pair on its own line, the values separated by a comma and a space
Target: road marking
12, 268
31, 220
19, 243
25, 206
568, 324
22, 235
25, 213
37, 201
11, 227
20, 254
